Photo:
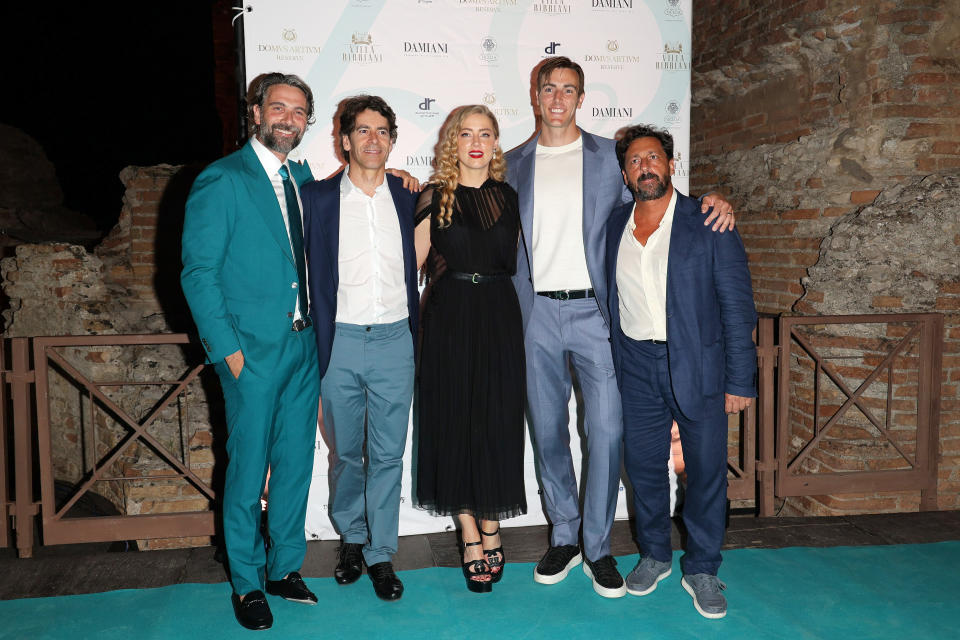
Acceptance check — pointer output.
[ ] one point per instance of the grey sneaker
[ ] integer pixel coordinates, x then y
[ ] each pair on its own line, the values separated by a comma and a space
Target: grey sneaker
645, 576
705, 589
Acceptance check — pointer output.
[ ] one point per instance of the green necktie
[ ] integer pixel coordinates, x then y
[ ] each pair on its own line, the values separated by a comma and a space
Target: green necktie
296, 236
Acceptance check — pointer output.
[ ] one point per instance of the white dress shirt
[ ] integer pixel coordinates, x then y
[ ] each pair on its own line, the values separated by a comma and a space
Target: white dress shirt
271, 164
642, 279
372, 286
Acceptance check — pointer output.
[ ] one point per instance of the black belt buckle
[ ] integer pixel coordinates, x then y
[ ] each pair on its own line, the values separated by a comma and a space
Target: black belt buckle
301, 323
567, 294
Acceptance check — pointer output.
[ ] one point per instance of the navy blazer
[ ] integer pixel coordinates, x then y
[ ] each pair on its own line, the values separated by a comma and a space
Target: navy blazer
710, 311
321, 235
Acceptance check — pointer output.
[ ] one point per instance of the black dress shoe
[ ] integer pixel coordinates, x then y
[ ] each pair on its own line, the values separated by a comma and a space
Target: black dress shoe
385, 581
349, 563
254, 612
291, 588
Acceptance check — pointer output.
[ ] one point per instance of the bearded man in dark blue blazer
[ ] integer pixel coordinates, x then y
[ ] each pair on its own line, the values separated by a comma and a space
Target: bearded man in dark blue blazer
362, 265
682, 314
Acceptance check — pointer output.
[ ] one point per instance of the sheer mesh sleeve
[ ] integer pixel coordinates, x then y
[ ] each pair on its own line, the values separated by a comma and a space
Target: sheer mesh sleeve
424, 204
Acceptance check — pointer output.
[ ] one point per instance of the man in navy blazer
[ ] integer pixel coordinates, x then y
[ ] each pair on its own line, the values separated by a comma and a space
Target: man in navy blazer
567, 181
682, 314
359, 230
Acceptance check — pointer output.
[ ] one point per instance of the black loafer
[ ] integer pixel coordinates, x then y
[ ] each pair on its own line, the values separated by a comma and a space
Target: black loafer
291, 588
385, 581
253, 612
349, 563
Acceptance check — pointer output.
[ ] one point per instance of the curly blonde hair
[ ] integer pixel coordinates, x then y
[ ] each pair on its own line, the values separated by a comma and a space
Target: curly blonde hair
447, 174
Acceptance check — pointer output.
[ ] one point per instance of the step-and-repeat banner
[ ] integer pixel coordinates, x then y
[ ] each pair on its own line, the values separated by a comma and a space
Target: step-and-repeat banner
426, 57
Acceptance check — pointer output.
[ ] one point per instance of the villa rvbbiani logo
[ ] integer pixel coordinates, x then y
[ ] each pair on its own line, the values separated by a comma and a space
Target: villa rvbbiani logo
488, 6
611, 5
426, 49
612, 57
672, 10
551, 7
672, 58
361, 50
286, 49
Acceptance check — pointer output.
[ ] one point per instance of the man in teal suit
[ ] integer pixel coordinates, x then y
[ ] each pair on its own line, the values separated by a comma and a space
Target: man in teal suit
244, 279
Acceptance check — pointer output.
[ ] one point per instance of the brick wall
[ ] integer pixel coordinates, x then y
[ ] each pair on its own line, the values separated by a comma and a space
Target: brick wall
127, 285
813, 115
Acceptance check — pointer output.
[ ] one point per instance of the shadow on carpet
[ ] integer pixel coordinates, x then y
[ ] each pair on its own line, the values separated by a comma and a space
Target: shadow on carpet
898, 592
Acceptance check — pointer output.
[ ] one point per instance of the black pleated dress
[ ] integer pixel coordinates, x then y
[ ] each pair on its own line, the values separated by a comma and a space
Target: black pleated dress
471, 375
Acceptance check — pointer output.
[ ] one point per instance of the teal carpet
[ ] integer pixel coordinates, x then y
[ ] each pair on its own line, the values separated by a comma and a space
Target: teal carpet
904, 591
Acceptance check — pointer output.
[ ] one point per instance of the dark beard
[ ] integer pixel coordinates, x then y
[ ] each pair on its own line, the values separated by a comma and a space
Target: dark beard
658, 192
270, 140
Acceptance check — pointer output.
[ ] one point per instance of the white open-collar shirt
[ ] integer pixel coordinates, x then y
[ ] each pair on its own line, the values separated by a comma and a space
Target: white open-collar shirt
372, 287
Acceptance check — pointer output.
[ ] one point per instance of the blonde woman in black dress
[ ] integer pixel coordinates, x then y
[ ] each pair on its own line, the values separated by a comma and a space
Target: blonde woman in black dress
471, 381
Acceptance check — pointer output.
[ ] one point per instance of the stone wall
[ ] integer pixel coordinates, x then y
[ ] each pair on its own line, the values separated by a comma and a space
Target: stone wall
823, 121
127, 285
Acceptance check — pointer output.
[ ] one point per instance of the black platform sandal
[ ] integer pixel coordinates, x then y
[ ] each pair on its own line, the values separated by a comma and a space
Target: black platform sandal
495, 558
476, 568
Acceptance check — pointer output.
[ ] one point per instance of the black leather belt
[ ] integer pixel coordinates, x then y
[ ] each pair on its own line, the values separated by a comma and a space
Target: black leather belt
302, 323
478, 278
654, 341
568, 294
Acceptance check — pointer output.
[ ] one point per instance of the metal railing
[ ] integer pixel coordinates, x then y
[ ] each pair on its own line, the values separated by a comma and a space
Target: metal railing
771, 463
6, 506
922, 336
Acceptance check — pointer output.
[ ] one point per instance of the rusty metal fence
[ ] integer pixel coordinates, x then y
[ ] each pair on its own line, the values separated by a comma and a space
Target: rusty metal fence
777, 437
881, 398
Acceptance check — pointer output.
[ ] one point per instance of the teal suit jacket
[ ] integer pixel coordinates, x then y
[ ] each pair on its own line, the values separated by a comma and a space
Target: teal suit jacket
239, 276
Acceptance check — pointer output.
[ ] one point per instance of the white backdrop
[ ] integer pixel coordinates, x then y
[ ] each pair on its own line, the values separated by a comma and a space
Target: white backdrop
425, 57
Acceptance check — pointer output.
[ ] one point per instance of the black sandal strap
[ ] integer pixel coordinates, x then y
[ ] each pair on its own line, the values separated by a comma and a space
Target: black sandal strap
490, 535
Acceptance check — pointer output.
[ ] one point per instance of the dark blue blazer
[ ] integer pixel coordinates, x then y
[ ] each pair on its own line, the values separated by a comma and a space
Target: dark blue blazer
710, 312
321, 234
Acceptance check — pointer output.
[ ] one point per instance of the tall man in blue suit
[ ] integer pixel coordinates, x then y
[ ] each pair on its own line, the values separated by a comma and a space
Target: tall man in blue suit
682, 313
568, 182
363, 284
244, 279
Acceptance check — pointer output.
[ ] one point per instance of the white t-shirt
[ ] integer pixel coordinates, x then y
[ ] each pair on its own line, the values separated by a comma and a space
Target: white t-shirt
559, 260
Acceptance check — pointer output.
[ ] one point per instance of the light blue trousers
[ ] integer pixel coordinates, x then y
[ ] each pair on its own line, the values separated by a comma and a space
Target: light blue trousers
366, 395
562, 334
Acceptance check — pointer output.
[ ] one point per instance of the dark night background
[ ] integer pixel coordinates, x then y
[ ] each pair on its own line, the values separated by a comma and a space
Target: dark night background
104, 85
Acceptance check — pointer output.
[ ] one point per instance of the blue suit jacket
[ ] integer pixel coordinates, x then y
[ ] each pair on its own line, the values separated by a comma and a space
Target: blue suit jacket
603, 190
710, 312
321, 233
237, 264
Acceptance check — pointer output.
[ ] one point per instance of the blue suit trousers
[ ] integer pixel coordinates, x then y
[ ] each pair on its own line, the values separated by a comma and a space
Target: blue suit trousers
649, 409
